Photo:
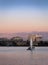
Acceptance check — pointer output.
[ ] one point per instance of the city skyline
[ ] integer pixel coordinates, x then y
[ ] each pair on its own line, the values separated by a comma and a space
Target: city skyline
23, 16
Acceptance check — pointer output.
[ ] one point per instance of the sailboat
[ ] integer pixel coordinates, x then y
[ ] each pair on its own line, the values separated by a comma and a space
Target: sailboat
31, 47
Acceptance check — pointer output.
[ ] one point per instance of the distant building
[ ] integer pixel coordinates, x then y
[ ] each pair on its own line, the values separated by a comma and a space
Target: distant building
17, 40
35, 37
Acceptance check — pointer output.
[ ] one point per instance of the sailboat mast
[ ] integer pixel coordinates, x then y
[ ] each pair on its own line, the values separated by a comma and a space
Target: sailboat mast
31, 43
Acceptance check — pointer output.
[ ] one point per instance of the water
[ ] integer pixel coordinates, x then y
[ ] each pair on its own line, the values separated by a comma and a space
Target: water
21, 56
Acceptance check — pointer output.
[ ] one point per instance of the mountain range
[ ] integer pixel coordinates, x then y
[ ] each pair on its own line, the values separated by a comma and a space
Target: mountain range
24, 35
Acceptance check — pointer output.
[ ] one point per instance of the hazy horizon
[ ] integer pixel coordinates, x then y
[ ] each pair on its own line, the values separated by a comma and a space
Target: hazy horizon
23, 16
24, 35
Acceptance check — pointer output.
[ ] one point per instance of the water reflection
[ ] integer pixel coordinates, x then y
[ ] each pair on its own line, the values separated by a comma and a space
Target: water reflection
20, 56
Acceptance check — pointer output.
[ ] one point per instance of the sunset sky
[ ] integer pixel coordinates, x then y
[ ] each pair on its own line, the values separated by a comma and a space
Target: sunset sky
23, 15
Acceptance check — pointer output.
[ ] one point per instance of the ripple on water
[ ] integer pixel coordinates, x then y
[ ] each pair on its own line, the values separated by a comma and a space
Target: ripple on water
21, 56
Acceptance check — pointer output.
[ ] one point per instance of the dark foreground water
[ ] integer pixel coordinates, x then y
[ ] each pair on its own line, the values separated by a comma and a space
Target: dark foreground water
21, 56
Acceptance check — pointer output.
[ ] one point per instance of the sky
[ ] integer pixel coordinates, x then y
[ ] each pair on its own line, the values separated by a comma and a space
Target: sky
23, 16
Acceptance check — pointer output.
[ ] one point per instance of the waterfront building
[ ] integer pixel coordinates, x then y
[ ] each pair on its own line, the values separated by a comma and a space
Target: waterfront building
35, 38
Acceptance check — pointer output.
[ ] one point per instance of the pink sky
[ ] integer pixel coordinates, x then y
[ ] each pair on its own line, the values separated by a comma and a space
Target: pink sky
23, 18
23, 24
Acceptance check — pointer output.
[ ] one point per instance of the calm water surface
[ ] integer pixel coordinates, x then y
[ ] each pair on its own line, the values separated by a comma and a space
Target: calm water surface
21, 56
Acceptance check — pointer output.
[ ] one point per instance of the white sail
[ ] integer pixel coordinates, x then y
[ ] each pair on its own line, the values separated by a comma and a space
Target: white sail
31, 43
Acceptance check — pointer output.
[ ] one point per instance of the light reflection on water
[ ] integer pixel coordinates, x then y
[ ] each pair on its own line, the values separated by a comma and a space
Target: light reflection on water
22, 56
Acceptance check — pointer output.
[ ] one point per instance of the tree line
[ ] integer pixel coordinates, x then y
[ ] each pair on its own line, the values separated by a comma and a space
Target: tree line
18, 41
